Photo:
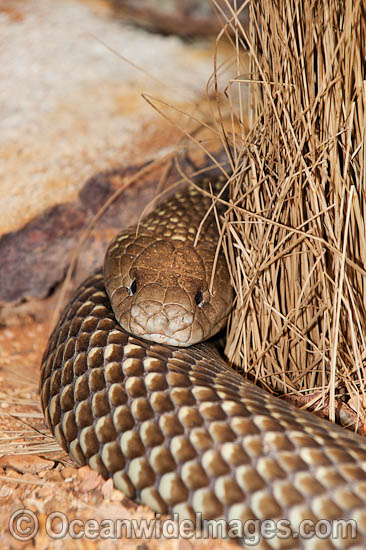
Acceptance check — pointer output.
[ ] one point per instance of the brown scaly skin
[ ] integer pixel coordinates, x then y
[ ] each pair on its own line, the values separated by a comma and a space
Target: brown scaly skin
178, 430
158, 279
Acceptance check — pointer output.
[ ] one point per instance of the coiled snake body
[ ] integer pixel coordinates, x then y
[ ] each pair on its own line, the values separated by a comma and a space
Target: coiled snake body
175, 427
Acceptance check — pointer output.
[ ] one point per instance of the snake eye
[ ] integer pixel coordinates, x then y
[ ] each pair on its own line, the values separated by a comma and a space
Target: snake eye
199, 298
132, 288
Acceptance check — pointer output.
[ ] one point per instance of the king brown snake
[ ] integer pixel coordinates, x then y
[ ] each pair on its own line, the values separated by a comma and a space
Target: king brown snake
127, 389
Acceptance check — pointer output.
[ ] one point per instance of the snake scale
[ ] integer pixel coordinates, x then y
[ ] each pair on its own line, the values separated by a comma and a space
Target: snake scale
177, 429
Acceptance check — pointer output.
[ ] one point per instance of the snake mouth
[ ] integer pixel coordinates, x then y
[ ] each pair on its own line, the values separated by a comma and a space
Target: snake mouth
169, 324
163, 339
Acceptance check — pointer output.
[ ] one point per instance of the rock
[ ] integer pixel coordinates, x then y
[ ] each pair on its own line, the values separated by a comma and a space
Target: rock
36, 257
182, 17
72, 107
31, 464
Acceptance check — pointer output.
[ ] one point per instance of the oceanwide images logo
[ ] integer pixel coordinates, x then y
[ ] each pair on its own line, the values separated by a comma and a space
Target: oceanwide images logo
24, 525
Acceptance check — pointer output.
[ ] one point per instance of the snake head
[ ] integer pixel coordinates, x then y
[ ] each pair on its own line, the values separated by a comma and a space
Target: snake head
160, 289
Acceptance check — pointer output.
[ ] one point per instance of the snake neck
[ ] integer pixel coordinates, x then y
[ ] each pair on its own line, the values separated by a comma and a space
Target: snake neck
189, 217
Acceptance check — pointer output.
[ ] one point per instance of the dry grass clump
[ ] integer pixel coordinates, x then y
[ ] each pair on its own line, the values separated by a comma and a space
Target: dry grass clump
296, 239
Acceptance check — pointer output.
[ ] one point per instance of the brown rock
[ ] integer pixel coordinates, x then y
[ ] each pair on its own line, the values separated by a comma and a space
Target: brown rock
182, 17
90, 480
107, 488
35, 258
69, 472
32, 464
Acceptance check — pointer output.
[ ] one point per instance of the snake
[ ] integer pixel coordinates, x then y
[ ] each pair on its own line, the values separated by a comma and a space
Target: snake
133, 386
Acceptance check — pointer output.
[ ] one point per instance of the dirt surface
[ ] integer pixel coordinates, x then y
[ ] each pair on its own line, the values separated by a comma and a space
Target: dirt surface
42, 491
